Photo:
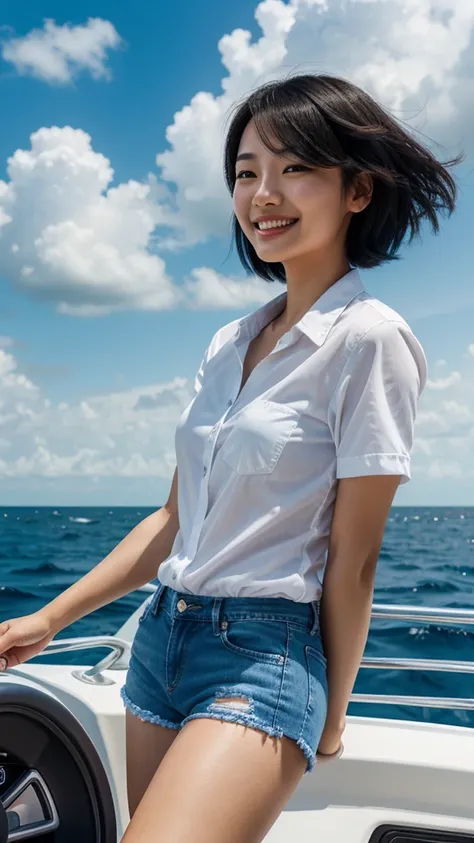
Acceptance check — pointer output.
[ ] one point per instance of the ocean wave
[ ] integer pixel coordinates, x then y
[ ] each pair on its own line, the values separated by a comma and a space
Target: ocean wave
439, 631
70, 536
10, 591
47, 568
84, 520
441, 586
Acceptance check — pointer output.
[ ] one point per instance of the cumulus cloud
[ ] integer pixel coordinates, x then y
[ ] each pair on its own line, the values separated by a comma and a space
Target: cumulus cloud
439, 470
208, 290
69, 237
127, 434
58, 53
415, 58
444, 383
130, 433
444, 438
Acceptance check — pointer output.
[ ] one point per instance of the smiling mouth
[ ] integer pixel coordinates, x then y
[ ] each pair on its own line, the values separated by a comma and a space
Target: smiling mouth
274, 225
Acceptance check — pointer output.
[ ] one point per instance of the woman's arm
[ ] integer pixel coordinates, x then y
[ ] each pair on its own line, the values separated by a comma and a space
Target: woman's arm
132, 563
361, 510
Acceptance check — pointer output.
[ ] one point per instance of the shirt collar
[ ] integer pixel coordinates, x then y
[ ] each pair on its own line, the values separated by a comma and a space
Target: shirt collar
318, 320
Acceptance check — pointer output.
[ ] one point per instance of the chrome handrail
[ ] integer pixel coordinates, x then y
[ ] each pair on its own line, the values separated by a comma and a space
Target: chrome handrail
118, 658
428, 615
148, 587
419, 702
93, 675
422, 613
444, 665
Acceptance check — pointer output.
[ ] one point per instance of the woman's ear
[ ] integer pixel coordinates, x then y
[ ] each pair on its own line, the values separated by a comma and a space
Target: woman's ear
361, 192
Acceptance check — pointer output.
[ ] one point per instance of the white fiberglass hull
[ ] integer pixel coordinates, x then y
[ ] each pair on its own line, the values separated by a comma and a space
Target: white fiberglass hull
392, 772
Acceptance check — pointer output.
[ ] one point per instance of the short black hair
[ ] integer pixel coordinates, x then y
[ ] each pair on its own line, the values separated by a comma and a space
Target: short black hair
327, 121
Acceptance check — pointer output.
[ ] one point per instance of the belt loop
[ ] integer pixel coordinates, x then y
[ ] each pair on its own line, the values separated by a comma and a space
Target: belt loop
315, 625
216, 615
157, 598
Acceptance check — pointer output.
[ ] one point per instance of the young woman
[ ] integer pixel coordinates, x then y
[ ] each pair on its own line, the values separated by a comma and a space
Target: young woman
288, 457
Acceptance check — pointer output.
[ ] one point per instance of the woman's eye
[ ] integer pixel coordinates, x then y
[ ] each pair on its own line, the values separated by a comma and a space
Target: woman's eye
245, 174
296, 167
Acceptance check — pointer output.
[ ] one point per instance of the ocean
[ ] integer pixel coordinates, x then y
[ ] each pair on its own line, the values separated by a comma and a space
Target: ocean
426, 560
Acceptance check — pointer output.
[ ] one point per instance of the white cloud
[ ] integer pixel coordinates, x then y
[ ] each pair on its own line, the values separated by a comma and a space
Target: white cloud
470, 349
421, 446
444, 439
73, 239
444, 383
127, 434
70, 238
208, 290
439, 470
413, 57
130, 433
6, 342
58, 53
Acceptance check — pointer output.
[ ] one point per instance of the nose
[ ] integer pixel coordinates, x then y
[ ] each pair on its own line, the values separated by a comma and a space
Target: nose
266, 194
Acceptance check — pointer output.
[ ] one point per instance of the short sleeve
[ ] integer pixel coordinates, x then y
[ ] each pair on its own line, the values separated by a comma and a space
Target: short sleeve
373, 409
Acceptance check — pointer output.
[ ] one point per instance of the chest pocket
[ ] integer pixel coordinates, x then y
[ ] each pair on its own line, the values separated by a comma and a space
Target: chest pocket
261, 431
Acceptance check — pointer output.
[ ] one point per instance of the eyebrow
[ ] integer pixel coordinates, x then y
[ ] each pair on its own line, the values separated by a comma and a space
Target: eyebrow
249, 156
245, 156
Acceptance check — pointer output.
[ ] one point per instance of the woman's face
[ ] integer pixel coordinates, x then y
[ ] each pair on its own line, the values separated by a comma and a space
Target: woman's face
288, 209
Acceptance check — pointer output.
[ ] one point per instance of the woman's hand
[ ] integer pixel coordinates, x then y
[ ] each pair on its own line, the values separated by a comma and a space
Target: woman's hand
22, 638
330, 745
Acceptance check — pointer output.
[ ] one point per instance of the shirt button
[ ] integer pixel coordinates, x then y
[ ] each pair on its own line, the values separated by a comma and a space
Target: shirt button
204, 471
230, 402
174, 576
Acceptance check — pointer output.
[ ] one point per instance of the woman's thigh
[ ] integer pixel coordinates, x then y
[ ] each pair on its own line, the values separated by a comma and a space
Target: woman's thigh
147, 745
219, 782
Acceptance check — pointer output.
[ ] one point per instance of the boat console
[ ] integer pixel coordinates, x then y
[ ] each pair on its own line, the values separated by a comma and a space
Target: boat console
52, 781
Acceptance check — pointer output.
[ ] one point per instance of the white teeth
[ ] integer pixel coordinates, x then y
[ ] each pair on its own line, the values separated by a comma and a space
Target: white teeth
263, 226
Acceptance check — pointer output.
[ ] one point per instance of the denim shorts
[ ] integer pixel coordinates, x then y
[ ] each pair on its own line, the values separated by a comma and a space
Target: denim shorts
191, 653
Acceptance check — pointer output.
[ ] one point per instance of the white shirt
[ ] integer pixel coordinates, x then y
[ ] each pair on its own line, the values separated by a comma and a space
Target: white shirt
257, 472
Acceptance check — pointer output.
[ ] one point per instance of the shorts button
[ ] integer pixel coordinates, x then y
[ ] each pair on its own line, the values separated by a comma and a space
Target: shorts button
224, 625
181, 605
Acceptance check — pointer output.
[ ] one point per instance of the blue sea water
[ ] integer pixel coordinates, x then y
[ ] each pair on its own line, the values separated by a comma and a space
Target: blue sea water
426, 560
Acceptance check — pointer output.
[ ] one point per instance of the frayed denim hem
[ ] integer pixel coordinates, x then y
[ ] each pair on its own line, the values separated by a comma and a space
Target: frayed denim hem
273, 732
309, 754
146, 716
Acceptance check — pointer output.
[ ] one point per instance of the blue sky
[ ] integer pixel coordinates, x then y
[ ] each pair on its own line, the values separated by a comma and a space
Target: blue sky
113, 283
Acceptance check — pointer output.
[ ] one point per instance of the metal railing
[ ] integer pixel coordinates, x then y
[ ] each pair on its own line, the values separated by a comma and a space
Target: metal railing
427, 615
118, 658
